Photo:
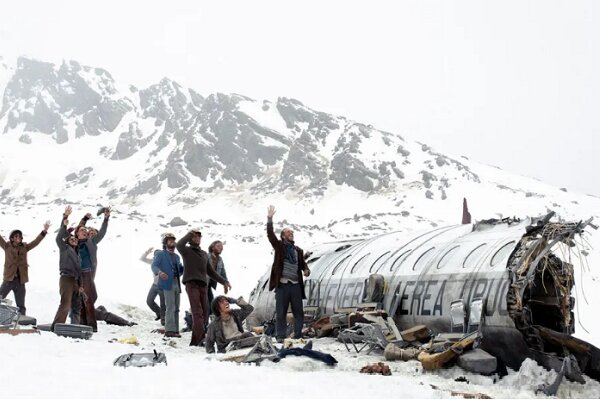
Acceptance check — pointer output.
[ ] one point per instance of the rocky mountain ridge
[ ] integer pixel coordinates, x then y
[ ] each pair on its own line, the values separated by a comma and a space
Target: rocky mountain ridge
90, 138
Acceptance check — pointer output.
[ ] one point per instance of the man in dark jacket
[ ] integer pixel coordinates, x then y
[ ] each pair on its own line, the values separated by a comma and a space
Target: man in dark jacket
88, 254
286, 278
195, 277
168, 267
15, 265
227, 326
70, 269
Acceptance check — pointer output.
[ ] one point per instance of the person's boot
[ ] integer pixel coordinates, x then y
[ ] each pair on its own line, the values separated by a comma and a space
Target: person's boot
114, 319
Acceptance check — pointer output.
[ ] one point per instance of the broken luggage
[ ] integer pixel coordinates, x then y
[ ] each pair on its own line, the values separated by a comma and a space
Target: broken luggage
141, 359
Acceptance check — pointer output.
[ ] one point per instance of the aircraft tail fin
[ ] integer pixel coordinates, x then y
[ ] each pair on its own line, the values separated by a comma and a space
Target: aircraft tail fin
466, 215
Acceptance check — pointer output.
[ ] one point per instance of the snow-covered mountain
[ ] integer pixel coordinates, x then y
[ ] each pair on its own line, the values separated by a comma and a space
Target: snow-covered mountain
195, 145
89, 138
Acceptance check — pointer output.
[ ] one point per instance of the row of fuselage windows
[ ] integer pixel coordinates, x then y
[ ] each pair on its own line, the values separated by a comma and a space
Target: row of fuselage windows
469, 261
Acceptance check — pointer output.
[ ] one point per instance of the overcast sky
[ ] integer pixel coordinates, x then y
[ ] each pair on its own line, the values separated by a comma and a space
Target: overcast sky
509, 83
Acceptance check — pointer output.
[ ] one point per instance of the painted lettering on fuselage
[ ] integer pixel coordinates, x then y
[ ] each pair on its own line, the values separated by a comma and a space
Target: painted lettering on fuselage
421, 297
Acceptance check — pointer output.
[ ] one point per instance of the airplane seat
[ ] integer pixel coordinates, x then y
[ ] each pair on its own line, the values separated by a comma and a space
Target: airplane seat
375, 289
458, 316
476, 314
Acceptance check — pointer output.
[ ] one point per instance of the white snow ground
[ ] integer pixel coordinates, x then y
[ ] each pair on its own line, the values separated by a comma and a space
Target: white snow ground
54, 367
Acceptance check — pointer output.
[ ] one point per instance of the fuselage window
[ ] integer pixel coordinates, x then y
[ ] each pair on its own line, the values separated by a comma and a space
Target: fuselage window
344, 247
423, 259
446, 258
378, 258
502, 253
356, 263
339, 264
474, 255
397, 260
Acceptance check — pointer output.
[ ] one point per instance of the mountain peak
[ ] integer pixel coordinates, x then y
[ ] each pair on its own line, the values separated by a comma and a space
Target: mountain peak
181, 147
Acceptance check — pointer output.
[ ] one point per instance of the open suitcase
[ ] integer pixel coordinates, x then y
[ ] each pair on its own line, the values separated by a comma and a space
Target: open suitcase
9, 316
141, 359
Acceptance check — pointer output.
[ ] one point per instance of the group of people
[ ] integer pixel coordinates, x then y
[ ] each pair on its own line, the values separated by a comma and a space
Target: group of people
199, 272
195, 273
77, 265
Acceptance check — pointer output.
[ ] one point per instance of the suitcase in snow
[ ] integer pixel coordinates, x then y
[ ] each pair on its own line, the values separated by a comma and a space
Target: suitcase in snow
141, 359
8, 316
73, 330
27, 320
44, 327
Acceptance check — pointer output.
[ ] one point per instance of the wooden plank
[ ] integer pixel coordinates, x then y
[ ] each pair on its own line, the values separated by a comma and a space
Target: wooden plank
14, 332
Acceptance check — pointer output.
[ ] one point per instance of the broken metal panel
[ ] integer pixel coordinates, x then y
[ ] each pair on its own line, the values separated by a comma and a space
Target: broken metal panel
540, 282
540, 301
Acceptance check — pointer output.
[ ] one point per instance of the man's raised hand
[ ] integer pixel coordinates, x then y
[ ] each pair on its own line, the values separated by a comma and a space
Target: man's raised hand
270, 211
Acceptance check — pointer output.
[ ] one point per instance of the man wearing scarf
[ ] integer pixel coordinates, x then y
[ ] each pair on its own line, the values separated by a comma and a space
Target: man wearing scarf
286, 278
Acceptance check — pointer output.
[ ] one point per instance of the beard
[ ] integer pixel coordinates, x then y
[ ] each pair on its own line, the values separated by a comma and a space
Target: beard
171, 246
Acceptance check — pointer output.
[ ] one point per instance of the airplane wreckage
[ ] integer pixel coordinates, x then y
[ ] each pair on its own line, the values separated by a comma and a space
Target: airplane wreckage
509, 280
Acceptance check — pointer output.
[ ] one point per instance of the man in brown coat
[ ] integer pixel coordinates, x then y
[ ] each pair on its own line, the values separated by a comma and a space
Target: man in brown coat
197, 268
15, 265
286, 278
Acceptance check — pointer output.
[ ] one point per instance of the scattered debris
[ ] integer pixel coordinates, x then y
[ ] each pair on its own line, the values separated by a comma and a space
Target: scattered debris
394, 352
141, 359
432, 361
465, 395
9, 315
377, 368
129, 340
416, 333
478, 361
289, 343
18, 331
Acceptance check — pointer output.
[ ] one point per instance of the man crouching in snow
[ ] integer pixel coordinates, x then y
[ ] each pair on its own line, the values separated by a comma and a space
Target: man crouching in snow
227, 327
